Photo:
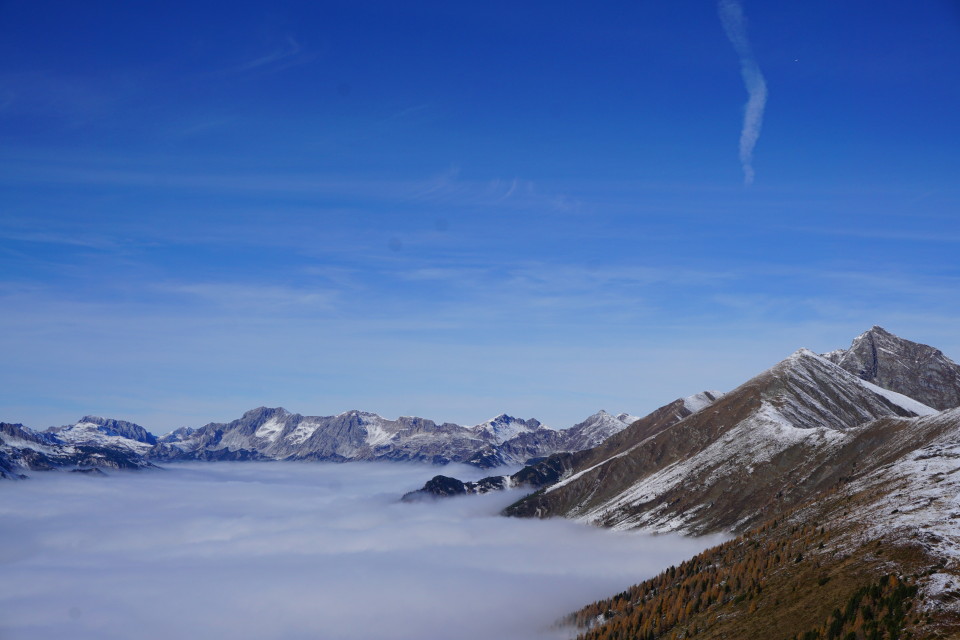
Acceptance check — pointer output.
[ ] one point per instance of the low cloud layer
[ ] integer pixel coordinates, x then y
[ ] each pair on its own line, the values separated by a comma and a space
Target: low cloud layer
296, 551
735, 25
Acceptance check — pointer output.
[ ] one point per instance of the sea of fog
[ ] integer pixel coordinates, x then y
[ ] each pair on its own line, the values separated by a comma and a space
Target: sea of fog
288, 550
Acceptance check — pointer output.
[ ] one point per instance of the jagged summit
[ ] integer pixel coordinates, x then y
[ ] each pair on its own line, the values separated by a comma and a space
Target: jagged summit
266, 411
505, 427
913, 369
105, 430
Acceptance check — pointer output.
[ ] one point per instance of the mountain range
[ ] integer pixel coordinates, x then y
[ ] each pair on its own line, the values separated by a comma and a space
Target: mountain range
276, 434
837, 477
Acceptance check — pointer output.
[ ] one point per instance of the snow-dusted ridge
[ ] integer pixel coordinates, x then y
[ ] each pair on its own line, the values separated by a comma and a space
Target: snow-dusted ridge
717, 468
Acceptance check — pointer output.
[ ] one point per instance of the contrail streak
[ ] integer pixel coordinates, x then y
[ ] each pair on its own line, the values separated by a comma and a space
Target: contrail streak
731, 15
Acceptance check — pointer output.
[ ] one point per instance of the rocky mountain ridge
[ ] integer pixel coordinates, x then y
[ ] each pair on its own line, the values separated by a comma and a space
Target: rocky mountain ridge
22, 449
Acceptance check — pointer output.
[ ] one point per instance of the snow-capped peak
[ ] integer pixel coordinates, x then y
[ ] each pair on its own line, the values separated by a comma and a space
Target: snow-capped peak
93, 430
505, 427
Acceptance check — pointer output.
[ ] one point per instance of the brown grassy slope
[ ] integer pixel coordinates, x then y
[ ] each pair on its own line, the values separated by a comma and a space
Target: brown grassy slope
783, 579
773, 582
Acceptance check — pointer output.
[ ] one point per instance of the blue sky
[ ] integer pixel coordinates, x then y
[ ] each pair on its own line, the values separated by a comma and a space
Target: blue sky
454, 210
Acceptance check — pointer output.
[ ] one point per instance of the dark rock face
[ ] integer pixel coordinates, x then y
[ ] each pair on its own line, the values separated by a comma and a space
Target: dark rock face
547, 471
437, 487
487, 457
14, 432
92, 471
913, 369
445, 486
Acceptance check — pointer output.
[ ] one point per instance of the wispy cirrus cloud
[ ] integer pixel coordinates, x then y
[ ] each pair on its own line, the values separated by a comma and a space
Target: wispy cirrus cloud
735, 25
42, 237
279, 58
265, 298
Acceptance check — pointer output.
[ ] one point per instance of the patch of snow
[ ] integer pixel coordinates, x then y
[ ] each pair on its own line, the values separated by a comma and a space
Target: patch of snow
90, 433
302, 432
376, 434
270, 429
939, 591
902, 401
701, 400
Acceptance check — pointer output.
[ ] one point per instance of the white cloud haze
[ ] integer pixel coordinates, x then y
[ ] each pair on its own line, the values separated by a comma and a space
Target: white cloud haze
735, 25
283, 550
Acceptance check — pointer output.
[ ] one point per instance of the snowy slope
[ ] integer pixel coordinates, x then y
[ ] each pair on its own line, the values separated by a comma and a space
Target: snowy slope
596, 429
93, 432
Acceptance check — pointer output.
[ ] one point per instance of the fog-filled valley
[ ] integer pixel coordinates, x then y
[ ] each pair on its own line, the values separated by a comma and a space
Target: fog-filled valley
274, 550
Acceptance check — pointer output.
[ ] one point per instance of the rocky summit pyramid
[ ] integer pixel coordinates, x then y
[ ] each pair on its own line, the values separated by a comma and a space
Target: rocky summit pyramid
913, 369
